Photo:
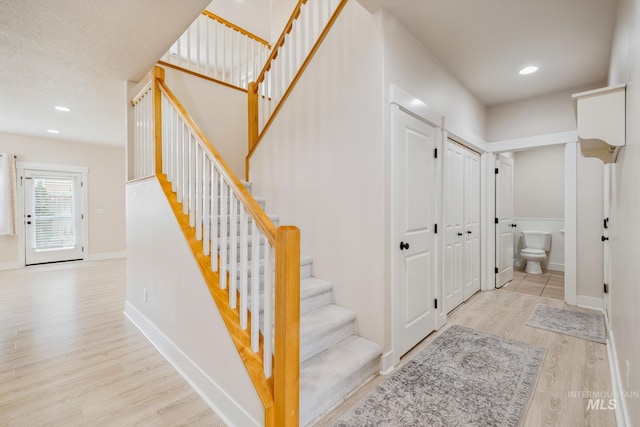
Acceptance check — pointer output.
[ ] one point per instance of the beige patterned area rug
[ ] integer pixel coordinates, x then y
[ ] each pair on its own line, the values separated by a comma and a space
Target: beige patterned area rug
463, 378
589, 326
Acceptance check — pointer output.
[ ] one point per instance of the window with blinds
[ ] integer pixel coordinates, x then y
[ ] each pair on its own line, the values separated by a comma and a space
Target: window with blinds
54, 212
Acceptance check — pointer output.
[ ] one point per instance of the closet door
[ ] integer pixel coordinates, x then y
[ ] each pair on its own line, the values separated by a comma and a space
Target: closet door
453, 221
471, 272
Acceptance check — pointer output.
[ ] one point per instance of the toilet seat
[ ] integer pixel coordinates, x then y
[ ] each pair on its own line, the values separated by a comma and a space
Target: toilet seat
533, 252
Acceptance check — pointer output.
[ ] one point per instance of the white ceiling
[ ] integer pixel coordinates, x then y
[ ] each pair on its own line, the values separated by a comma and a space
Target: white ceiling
79, 53
484, 43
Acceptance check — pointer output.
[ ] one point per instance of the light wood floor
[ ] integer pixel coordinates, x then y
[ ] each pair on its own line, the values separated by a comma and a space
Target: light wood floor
69, 357
570, 364
549, 284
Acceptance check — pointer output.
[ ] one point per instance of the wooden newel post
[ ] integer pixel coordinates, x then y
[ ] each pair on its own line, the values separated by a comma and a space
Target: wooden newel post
287, 328
252, 103
158, 76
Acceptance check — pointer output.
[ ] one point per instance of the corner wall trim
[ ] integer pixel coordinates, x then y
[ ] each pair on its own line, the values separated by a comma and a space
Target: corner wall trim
223, 405
622, 414
386, 363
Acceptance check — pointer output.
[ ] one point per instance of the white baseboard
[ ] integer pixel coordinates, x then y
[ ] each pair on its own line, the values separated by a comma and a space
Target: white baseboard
386, 363
589, 302
556, 266
622, 414
106, 255
224, 406
10, 265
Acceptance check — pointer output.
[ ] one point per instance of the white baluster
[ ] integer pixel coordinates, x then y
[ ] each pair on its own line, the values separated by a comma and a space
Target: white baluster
165, 133
206, 204
179, 158
268, 314
215, 216
255, 287
223, 233
199, 192
186, 157
233, 257
244, 266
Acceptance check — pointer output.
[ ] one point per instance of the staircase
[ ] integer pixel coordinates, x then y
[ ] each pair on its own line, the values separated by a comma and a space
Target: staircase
333, 360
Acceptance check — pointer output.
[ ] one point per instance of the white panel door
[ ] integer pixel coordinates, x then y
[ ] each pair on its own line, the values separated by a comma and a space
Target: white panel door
414, 219
53, 216
504, 227
453, 224
471, 270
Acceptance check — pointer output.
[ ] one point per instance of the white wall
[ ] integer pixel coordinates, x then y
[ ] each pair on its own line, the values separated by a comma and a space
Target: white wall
409, 65
219, 111
105, 189
179, 315
320, 166
625, 227
538, 181
534, 116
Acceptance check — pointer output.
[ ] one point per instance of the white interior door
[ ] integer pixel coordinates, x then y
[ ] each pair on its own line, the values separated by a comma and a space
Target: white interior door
504, 226
453, 224
471, 271
414, 219
53, 216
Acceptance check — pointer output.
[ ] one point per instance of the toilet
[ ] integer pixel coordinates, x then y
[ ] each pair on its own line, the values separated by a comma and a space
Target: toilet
535, 245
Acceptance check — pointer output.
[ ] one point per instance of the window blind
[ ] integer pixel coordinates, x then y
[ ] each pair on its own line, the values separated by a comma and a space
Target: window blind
54, 212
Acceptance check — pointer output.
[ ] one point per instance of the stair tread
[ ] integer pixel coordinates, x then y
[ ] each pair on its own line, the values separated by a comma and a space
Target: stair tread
331, 366
323, 320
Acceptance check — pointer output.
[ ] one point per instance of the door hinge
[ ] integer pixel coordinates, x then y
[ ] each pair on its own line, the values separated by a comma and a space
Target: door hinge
497, 171
435, 153
83, 249
497, 271
81, 216
435, 303
606, 288
435, 228
496, 220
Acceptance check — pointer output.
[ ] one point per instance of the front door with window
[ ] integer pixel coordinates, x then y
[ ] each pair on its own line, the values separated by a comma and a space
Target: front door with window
53, 216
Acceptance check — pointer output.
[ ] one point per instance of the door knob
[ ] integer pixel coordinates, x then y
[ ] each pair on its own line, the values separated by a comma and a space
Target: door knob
404, 246
468, 231
28, 222
459, 234
29, 216
514, 225
604, 238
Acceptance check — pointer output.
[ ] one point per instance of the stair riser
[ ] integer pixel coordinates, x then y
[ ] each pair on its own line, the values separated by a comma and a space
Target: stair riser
312, 345
313, 406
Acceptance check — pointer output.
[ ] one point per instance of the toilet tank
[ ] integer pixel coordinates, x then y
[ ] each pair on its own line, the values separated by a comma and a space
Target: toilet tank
537, 240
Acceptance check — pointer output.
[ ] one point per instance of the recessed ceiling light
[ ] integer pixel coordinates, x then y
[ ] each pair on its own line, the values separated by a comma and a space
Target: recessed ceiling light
61, 108
53, 131
528, 70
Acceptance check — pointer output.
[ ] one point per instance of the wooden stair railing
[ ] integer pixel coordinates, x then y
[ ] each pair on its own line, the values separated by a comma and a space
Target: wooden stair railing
218, 50
303, 34
225, 229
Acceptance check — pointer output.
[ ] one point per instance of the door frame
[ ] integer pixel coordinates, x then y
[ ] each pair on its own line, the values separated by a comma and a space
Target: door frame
499, 225
570, 141
415, 107
21, 229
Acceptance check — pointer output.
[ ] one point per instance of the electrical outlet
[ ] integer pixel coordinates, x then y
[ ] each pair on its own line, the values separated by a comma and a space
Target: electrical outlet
145, 298
628, 372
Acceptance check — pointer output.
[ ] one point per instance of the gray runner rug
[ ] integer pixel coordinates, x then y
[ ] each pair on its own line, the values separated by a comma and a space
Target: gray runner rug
463, 378
589, 326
